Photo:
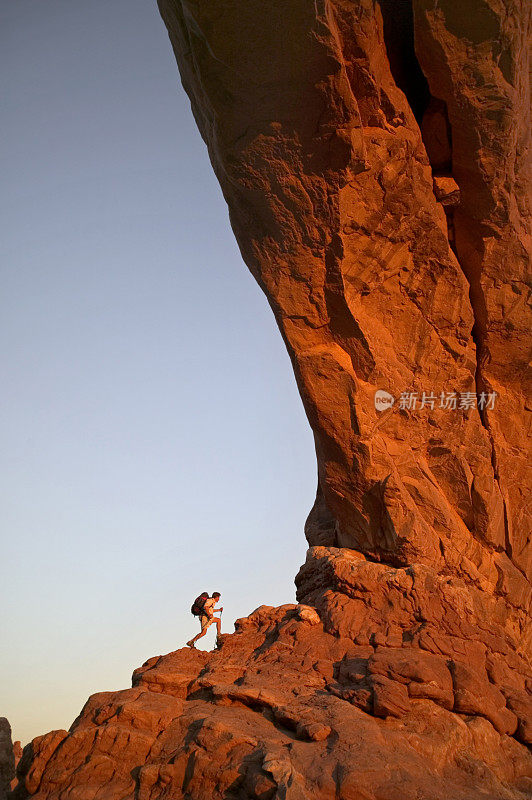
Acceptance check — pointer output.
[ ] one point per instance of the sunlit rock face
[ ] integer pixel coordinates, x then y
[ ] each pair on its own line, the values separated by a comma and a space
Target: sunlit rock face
374, 160
295, 707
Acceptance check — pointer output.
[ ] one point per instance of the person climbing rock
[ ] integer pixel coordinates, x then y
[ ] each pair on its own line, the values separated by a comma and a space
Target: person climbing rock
204, 608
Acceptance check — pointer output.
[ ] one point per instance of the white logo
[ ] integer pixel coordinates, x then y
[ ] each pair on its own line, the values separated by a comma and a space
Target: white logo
383, 400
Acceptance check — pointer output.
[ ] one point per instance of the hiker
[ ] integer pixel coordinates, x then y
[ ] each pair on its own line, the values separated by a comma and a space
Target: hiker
204, 608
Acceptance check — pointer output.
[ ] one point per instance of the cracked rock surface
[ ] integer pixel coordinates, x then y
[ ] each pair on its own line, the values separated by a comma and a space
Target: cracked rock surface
289, 708
375, 161
374, 157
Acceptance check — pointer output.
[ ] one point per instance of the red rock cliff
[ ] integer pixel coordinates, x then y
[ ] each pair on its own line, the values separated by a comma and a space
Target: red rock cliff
378, 277
374, 159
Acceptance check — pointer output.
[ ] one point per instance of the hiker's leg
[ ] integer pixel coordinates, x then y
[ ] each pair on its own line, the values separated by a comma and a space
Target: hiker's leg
203, 631
218, 626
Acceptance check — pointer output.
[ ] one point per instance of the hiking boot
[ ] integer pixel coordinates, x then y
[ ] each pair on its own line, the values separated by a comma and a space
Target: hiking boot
191, 644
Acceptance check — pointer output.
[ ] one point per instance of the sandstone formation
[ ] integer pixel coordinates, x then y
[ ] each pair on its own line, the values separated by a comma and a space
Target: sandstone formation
17, 755
375, 161
385, 272
291, 708
7, 758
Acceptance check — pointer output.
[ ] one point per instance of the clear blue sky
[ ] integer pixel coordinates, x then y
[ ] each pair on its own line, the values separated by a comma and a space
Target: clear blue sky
153, 443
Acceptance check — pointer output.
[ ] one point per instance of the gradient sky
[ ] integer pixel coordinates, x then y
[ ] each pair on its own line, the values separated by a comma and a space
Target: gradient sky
153, 443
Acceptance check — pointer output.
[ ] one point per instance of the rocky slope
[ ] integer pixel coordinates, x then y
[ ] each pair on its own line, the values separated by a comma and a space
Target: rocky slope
374, 157
295, 709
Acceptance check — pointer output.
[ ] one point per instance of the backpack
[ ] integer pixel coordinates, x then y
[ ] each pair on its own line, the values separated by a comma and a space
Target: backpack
197, 606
